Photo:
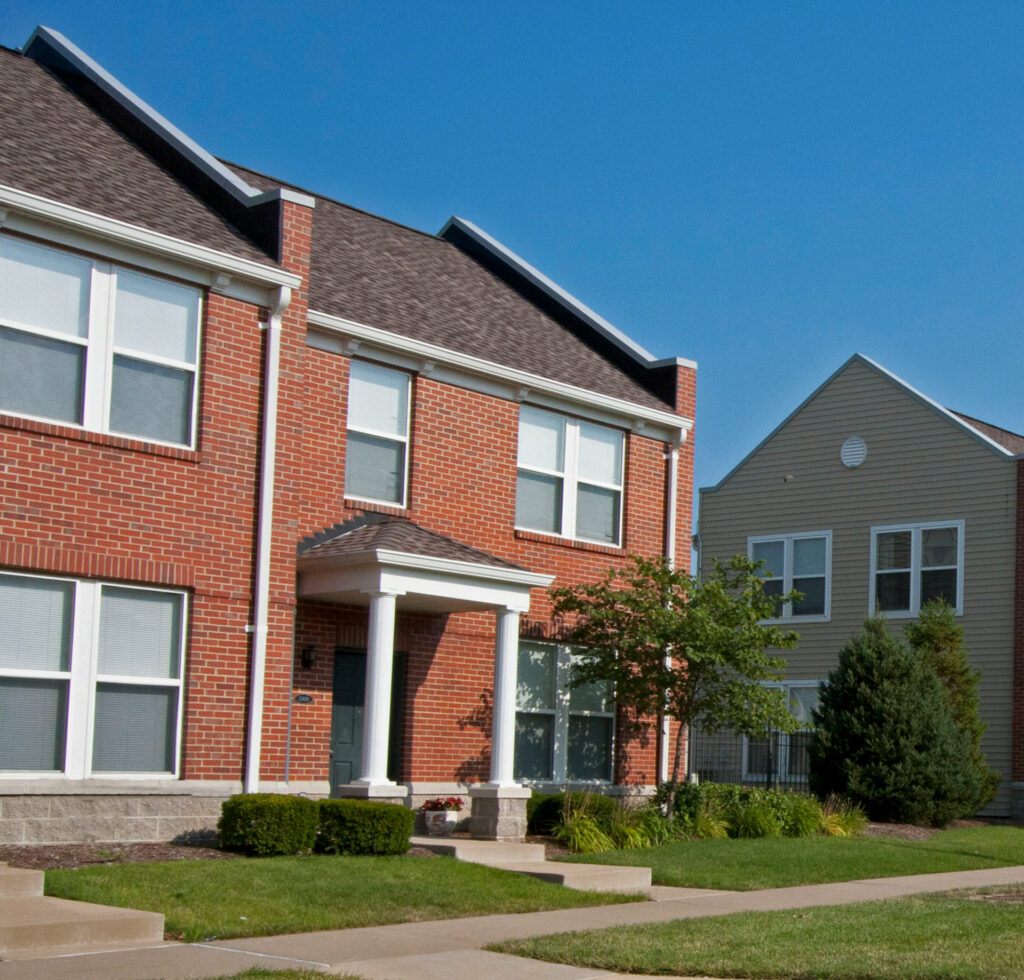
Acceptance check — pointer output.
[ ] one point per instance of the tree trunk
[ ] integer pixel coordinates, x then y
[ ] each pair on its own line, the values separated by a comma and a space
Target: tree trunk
676, 761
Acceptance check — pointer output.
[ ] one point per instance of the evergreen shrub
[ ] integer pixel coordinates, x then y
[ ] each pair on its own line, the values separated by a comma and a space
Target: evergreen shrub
363, 827
266, 824
885, 736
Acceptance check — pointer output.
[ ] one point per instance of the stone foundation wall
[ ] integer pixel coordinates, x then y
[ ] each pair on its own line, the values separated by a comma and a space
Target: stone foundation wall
77, 819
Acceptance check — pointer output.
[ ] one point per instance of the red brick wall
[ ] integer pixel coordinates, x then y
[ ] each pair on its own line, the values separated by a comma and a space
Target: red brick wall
93, 506
462, 484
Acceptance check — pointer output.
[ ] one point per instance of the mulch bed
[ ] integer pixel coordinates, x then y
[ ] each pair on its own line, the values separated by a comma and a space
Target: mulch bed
44, 856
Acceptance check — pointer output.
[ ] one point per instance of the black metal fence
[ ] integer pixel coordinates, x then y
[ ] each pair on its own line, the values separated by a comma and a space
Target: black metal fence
776, 759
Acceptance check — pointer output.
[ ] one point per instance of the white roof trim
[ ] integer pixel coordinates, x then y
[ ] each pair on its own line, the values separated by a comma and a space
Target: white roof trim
121, 232
427, 563
153, 120
523, 379
567, 300
896, 380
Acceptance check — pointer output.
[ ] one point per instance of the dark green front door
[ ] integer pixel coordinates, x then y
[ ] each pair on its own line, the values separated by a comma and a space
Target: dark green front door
347, 716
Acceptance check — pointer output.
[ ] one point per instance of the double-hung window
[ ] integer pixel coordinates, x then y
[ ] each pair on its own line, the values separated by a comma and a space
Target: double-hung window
96, 345
796, 561
779, 756
914, 563
377, 447
569, 479
90, 677
563, 734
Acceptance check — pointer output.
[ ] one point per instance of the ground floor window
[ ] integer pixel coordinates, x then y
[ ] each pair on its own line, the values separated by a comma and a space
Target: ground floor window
562, 734
90, 677
778, 756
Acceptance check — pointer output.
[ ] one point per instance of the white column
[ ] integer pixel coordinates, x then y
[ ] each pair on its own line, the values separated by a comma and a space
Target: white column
380, 648
503, 733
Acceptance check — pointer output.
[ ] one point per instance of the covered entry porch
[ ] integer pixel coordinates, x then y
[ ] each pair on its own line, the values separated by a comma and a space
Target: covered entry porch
392, 565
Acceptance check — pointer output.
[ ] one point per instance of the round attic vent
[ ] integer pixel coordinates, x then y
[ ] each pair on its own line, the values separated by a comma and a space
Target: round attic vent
853, 452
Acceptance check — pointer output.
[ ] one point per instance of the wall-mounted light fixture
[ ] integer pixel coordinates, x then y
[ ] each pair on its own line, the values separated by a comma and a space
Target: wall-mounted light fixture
308, 657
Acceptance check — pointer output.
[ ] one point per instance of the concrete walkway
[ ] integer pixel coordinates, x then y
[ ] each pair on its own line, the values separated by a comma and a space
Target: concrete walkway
428, 950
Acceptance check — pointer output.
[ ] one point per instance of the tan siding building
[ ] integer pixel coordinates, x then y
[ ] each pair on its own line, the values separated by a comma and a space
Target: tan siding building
868, 495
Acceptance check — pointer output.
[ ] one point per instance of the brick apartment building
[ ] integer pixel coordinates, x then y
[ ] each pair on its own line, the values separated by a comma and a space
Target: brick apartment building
284, 485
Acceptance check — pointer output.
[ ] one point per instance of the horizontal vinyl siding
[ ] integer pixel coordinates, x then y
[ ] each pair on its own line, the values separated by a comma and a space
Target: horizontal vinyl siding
919, 467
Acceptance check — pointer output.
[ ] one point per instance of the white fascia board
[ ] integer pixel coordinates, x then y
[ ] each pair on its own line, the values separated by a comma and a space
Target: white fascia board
380, 557
935, 406
514, 384
34, 215
225, 178
552, 289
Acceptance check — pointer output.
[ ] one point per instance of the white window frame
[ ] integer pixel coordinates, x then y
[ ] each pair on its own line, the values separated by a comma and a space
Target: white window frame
100, 351
787, 580
83, 677
571, 480
564, 656
403, 438
782, 774
915, 569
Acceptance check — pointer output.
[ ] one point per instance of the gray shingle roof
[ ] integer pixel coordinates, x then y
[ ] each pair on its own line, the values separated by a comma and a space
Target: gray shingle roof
385, 275
1010, 441
55, 145
372, 532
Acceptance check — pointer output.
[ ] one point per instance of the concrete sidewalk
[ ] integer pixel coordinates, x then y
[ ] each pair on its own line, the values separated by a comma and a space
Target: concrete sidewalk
425, 950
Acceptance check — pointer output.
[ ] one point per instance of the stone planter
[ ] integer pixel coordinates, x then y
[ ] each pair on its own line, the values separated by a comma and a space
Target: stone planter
440, 823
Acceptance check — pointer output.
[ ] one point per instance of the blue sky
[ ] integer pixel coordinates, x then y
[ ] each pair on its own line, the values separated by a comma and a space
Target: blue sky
764, 188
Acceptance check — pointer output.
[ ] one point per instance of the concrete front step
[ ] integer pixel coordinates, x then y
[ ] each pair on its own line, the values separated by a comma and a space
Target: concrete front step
528, 859
495, 854
33, 924
588, 877
16, 882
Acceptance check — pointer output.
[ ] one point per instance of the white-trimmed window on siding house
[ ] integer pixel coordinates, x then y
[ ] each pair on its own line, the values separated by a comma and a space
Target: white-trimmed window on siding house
90, 678
98, 346
570, 477
377, 443
802, 562
563, 734
779, 756
912, 564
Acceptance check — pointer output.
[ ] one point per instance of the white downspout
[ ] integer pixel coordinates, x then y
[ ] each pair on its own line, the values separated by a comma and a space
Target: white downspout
264, 539
671, 507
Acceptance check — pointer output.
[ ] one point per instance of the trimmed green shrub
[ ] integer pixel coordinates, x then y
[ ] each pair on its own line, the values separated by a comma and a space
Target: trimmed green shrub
265, 824
363, 827
885, 736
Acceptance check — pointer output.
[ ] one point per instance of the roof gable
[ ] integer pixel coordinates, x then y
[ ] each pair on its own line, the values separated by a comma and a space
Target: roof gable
985, 434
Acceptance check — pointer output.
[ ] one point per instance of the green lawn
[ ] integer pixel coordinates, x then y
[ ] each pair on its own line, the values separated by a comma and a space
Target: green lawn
930, 937
742, 865
268, 896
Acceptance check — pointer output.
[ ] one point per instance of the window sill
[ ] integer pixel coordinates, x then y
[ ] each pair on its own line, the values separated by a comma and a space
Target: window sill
796, 620
908, 614
370, 507
99, 438
541, 538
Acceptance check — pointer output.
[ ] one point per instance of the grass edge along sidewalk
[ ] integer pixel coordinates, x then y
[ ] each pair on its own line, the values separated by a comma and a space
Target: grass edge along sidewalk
745, 865
205, 900
973, 934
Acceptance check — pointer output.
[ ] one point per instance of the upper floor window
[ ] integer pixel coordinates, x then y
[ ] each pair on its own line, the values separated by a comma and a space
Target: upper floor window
90, 677
96, 345
377, 449
797, 561
562, 733
569, 480
912, 564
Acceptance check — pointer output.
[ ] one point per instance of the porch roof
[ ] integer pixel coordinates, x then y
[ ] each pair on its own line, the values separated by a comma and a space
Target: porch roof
428, 571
